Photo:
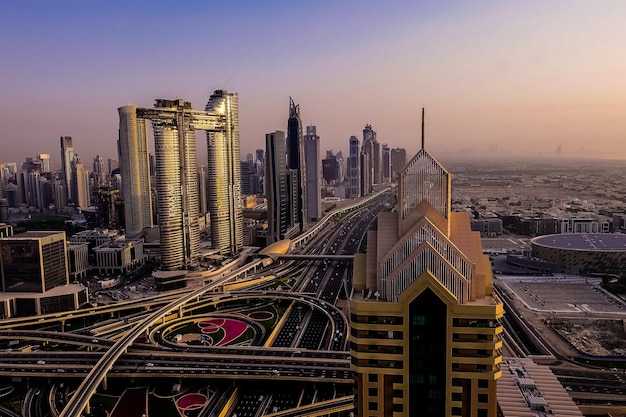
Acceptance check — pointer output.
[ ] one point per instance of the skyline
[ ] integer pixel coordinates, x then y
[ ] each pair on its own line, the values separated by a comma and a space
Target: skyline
527, 77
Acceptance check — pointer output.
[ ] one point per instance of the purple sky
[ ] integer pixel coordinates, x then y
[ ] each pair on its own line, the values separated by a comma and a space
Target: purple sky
526, 76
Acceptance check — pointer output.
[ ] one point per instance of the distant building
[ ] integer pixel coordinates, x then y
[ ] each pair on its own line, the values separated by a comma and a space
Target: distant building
67, 158
296, 163
119, 256
489, 226
386, 164
276, 186
313, 166
398, 161
354, 169
135, 171
425, 330
583, 253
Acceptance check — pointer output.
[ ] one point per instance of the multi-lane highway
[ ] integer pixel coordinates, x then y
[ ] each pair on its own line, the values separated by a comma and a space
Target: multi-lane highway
307, 345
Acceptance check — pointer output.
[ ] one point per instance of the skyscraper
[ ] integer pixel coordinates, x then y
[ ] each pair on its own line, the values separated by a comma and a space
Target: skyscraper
425, 329
80, 181
276, 186
354, 168
386, 164
176, 182
174, 123
398, 161
296, 162
67, 157
134, 168
44, 160
313, 166
224, 176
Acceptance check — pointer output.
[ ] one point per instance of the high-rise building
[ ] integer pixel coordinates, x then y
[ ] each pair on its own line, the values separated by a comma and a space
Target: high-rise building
202, 190
80, 181
386, 164
134, 169
354, 168
313, 175
174, 123
44, 161
398, 161
425, 330
250, 182
67, 158
99, 171
176, 182
331, 169
370, 160
276, 186
260, 154
224, 176
296, 163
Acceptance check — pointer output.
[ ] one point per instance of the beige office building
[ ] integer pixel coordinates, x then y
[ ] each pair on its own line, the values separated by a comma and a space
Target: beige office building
425, 334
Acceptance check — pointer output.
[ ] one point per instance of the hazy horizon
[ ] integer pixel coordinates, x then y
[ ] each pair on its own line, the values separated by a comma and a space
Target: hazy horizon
497, 79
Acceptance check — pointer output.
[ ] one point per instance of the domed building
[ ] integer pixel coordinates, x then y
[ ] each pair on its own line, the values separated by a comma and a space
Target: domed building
583, 253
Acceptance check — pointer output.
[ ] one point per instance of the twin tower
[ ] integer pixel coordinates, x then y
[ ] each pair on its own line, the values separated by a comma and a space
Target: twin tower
174, 125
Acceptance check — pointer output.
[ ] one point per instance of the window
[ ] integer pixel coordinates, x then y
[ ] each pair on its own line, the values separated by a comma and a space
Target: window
372, 392
372, 377
483, 398
418, 320
483, 383
372, 406
482, 412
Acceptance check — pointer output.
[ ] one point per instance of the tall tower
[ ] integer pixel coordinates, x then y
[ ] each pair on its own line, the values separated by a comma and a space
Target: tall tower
44, 160
67, 157
276, 186
135, 171
313, 166
80, 179
426, 334
224, 176
176, 183
354, 167
296, 162
386, 164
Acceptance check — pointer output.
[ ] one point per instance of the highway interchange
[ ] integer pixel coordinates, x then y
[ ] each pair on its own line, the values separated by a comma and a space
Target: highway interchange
302, 364
309, 346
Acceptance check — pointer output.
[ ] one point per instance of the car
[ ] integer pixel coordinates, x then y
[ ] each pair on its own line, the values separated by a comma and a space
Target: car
149, 364
41, 362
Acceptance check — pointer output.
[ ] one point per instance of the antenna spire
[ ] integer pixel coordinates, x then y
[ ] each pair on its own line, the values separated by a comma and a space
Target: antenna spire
422, 128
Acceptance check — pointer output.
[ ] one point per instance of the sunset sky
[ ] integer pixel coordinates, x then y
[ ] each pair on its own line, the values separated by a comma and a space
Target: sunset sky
522, 76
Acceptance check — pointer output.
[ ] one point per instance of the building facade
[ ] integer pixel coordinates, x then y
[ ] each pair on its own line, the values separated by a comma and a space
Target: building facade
224, 175
134, 168
313, 164
276, 186
425, 333
354, 168
67, 158
296, 162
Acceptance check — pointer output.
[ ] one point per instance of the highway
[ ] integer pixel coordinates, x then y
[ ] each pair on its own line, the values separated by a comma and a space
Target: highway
122, 342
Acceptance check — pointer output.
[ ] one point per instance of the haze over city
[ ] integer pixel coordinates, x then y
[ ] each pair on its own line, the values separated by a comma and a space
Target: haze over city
507, 79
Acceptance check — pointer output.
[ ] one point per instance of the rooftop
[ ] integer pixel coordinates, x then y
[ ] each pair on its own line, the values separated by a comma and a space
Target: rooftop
584, 241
